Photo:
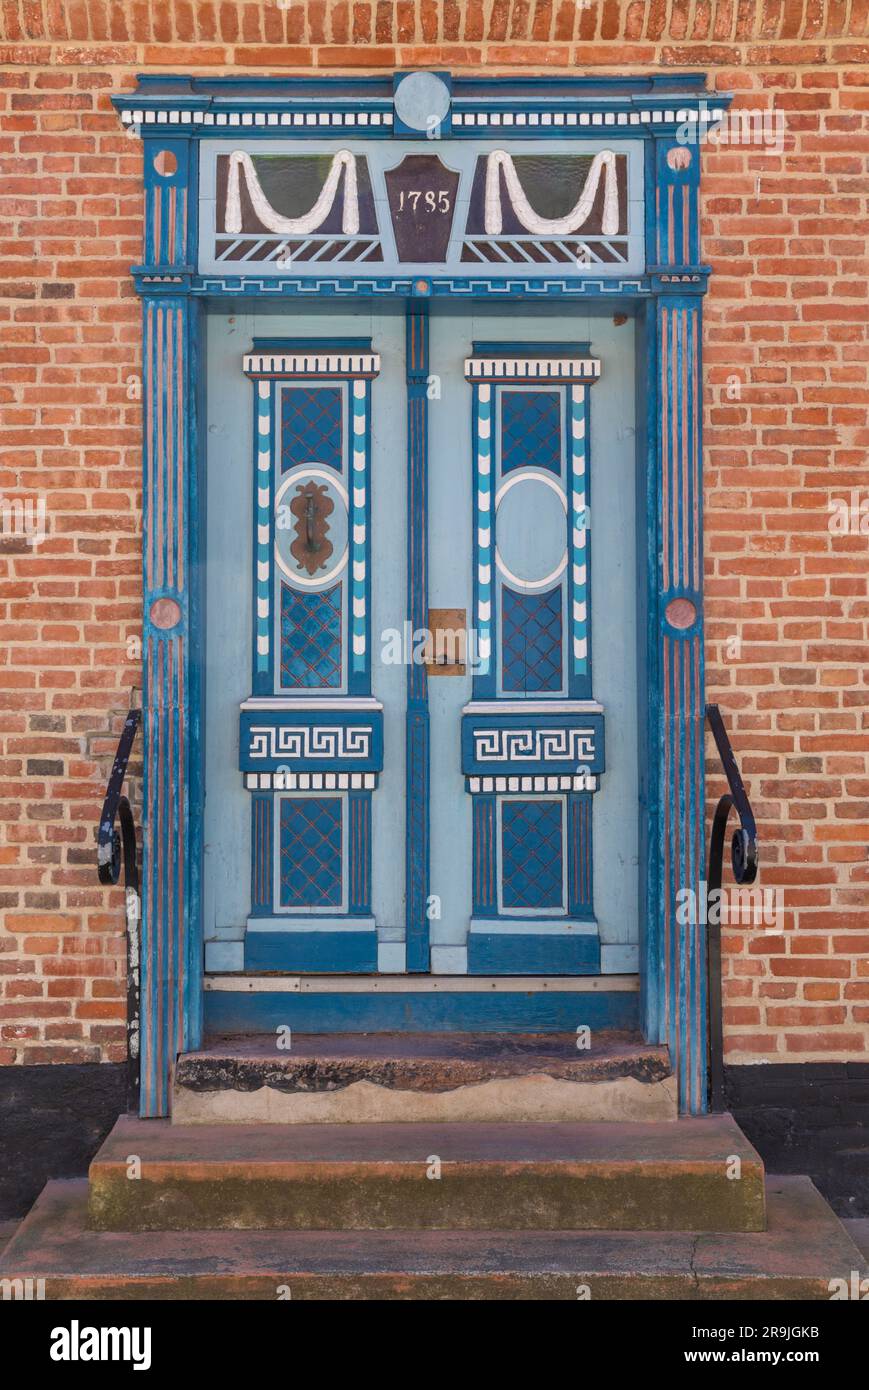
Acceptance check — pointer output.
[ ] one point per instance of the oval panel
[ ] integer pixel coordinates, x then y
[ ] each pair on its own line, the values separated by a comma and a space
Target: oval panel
311, 524
531, 529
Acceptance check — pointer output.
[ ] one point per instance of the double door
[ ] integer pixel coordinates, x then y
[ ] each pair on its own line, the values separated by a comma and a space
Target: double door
419, 728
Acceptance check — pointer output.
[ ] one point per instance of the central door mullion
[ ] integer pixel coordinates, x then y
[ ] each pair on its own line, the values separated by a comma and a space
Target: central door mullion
417, 804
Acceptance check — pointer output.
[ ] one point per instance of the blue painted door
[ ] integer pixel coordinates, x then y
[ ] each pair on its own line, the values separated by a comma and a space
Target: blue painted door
314, 552
534, 752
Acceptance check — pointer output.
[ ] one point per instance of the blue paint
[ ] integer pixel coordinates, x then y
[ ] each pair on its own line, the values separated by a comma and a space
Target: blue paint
580, 483
312, 425
192, 946
310, 655
485, 878
534, 744
359, 854
417, 812
489, 1011
485, 592
310, 842
563, 953
261, 854
670, 281
311, 740
532, 854
532, 641
326, 953
580, 876
530, 428
262, 436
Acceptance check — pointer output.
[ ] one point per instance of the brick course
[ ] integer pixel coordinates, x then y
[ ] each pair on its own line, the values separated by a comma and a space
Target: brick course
786, 392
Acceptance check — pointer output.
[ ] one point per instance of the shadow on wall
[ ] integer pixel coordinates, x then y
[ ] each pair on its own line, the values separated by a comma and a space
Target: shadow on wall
809, 1117
53, 1119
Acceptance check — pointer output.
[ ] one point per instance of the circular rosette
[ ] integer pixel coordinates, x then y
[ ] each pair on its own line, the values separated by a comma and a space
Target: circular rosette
311, 524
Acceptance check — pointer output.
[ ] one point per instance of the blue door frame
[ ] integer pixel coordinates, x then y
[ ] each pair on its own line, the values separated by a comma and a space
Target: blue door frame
184, 124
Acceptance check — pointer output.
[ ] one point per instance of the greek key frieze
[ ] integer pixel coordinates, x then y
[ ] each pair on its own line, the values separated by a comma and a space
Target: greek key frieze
533, 745
326, 741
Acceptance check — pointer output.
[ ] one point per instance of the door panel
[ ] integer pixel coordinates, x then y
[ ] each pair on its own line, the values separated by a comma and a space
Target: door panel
529, 875
297, 695
535, 875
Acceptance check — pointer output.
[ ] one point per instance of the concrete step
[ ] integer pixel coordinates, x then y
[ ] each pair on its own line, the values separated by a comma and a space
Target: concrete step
671, 1176
803, 1249
422, 1078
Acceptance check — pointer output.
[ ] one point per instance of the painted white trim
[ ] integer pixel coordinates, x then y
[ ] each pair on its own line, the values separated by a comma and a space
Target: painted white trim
532, 782
423, 984
312, 363
310, 781
529, 475
325, 702
531, 707
259, 118
544, 926
295, 922
530, 585
181, 116
532, 368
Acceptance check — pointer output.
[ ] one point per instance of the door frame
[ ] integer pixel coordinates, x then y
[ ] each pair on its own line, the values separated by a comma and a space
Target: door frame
670, 115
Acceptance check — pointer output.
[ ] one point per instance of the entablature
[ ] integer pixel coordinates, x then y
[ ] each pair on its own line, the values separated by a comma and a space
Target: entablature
422, 184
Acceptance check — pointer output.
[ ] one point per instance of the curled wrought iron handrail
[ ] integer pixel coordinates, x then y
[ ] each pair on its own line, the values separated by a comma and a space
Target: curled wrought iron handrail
114, 846
744, 860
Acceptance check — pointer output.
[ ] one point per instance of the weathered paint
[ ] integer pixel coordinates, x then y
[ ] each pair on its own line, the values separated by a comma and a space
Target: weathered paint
671, 685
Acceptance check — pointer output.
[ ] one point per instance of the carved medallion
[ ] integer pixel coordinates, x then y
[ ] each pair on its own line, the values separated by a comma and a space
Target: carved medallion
311, 507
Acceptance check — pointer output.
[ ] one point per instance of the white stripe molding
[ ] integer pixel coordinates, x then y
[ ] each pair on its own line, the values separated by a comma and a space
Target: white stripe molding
532, 368
312, 364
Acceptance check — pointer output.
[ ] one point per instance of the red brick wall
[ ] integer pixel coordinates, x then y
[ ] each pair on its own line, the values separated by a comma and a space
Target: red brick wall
786, 361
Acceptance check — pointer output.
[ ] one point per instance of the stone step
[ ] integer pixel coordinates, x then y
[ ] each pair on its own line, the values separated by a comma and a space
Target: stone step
670, 1176
420, 1078
803, 1249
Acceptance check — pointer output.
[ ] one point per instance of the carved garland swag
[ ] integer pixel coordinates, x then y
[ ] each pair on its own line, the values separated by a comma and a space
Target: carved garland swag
603, 167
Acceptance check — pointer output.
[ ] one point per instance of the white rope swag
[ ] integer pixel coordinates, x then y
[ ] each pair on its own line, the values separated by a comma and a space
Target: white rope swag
241, 163
603, 163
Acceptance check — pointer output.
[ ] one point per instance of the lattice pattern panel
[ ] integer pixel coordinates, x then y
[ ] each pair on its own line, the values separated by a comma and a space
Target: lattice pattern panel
531, 430
311, 846
310, 639
531, 641
532, 855
311, 426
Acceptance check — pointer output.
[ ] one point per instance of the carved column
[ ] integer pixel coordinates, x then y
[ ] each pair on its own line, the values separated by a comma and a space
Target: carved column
678, 974
170, 937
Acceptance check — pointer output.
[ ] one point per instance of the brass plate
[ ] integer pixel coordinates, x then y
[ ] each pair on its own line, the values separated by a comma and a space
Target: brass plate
447, 647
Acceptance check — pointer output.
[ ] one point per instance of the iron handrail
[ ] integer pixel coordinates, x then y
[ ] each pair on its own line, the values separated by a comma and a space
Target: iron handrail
114, 849
744, 861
